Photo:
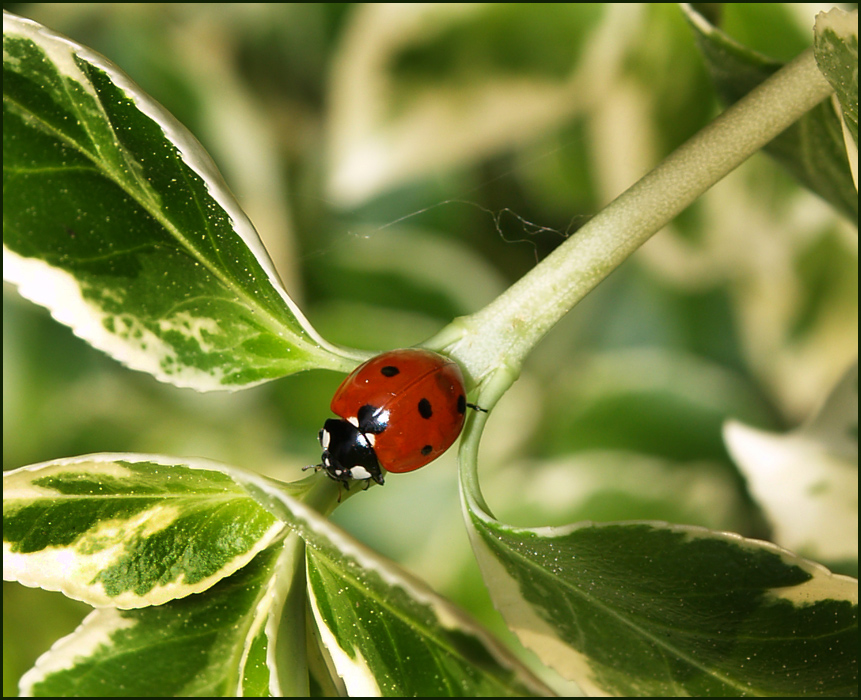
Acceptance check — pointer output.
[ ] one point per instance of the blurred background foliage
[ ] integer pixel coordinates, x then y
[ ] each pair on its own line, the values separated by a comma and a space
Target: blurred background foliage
404, 164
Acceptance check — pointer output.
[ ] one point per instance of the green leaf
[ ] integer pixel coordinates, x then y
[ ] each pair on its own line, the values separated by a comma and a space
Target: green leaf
646, 608
384, 631
807, 481
177, 649
812, 149
118, 222
129, 530
835, 46
650, 609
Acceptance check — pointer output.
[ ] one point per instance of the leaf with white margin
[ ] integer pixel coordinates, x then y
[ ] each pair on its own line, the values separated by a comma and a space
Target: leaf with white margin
116, 219
384, 631
129, 530
806, 481
835, 45
651, 609
223, 642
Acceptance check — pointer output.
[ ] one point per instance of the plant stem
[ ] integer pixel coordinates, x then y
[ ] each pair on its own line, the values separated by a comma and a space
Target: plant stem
502, 334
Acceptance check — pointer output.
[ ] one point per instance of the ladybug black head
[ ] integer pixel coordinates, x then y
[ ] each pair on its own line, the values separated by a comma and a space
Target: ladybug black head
348, 454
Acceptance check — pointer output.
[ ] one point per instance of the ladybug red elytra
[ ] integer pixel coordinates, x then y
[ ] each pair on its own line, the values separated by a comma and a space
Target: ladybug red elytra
398, 412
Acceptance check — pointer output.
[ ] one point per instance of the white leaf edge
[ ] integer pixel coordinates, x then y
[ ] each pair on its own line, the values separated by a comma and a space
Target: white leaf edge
60, 292
94, 635
51, 569
808, 493
357, 676
537, 635
806, 480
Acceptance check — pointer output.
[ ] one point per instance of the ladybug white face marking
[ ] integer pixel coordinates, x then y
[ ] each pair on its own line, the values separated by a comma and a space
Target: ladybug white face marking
359, 472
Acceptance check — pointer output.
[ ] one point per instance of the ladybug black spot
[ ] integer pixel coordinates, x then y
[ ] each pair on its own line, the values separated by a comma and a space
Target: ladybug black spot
461, 404
389, 371
427, 449
425, 409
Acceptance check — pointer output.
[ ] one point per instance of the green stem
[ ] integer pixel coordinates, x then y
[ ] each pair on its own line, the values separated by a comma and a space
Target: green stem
501, 335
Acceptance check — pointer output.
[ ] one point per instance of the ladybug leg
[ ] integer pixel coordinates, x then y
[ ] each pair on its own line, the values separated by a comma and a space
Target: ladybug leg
476, 407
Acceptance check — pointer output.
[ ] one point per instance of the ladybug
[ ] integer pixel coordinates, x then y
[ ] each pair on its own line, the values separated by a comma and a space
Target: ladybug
398, 412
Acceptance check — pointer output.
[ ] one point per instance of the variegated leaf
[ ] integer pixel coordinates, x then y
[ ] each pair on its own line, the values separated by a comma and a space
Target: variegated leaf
806, 481
117, 221
180, 648
129, 531
650, 609
384, 631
